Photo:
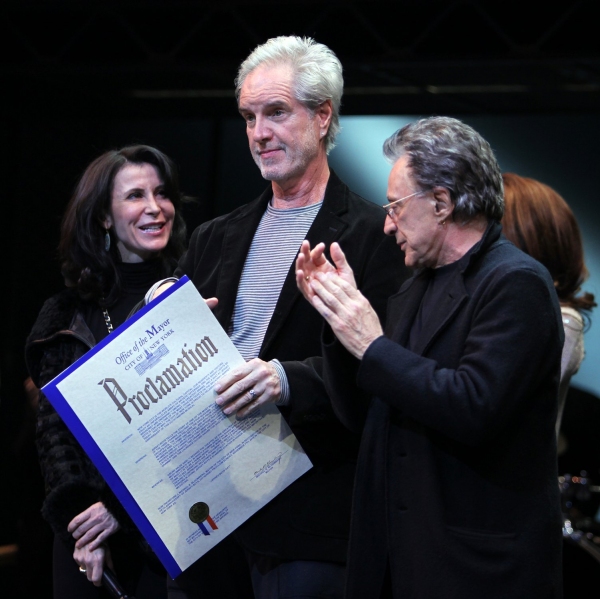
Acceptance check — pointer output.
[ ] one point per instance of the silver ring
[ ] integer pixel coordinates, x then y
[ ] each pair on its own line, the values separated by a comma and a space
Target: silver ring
252, 394
82, 569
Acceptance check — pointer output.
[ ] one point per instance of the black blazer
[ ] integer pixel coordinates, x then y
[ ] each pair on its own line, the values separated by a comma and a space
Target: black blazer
310, 519
457, 477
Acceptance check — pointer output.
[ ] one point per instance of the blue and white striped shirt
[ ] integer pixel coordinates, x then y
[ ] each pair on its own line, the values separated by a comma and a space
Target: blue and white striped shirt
273, 250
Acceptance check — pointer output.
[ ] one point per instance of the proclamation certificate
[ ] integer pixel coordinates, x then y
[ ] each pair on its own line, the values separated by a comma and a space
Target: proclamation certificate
142, 405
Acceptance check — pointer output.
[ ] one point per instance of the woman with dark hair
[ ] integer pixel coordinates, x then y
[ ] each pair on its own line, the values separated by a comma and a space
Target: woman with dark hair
539, 222
121, 232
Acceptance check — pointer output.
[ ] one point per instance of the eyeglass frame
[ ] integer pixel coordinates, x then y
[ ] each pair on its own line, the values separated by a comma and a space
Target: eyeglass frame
389, 208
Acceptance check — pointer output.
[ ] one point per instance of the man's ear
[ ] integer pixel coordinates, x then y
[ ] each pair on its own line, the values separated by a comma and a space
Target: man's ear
324, 113
443, 204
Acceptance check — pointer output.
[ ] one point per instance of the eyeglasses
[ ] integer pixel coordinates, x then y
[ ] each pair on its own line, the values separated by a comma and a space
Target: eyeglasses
391, 209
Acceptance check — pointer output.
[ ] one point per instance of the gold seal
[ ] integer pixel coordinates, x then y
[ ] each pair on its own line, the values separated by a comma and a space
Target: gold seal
199, 512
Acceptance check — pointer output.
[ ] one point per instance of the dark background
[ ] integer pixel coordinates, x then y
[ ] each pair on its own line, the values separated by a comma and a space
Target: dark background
81, 77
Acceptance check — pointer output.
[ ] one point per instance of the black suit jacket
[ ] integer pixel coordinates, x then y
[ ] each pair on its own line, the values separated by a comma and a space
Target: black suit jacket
457, 477
310, 519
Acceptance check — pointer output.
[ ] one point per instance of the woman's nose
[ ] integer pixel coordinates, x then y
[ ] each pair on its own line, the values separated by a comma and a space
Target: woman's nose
152, 206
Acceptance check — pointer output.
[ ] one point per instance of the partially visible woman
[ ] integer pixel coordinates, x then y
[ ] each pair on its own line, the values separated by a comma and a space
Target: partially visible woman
121, 232
541, 223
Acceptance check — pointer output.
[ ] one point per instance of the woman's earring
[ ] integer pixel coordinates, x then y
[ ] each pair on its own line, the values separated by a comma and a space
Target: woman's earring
107, 241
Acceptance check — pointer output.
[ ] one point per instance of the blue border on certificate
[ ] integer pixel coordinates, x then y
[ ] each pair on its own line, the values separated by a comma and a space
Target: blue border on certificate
91, 448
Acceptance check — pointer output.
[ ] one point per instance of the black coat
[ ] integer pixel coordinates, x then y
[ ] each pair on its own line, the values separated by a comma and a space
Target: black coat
59, 337
457, 477
310, 519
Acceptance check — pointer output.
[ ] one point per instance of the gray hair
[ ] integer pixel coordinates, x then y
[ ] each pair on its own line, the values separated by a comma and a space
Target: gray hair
317, 70
445, 152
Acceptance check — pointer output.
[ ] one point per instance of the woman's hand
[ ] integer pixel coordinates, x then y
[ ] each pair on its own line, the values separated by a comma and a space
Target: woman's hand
93, 526
333, 292
91, 562
211, 302
162, 289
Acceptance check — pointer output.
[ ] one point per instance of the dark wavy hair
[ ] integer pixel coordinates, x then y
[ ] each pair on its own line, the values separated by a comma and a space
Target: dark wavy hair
85, 264
446, 152
541, 223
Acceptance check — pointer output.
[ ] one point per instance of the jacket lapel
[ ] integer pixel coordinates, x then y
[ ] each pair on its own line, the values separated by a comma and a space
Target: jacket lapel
455, 295
237, 239
403, 307
327, 227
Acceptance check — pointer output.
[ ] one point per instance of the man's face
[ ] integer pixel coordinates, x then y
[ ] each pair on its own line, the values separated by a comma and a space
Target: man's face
415, 224
284, 136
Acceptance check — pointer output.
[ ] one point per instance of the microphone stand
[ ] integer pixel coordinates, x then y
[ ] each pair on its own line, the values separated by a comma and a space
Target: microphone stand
112, 585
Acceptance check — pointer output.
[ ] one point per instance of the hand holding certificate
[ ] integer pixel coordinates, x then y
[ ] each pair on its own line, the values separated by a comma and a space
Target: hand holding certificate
142, 405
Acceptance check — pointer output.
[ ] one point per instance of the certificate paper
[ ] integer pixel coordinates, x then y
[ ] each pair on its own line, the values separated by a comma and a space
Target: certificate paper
142, 405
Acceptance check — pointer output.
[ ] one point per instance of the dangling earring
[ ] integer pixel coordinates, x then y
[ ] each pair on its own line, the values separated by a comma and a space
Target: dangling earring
107, 241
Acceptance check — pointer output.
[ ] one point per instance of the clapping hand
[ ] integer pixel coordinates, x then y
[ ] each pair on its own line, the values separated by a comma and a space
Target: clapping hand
332, 291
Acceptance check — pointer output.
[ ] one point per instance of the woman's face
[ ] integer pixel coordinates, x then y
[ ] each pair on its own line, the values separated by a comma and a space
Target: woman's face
141, 215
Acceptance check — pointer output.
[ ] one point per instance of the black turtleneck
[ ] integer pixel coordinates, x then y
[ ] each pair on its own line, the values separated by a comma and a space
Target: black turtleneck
136, 279
439, 281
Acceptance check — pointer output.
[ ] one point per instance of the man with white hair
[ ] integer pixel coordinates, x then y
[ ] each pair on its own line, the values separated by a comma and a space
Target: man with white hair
288, 91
